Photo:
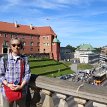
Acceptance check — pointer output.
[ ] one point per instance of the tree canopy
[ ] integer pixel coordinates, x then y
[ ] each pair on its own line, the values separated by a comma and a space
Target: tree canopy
71, 48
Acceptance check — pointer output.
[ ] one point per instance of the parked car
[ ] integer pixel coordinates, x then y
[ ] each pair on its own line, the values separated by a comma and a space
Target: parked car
63, 77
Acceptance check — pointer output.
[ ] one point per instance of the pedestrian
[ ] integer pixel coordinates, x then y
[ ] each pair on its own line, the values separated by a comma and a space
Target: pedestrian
13, 76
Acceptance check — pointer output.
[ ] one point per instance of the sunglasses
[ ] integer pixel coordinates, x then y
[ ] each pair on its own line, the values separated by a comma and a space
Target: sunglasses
14, 45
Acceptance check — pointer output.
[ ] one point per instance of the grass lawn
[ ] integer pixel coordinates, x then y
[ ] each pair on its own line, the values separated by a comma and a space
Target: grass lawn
67, 63
39, 63
60, 73
47, 69
50, 65
84, 66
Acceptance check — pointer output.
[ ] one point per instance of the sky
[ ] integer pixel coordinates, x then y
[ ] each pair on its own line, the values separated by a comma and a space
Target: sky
75, 22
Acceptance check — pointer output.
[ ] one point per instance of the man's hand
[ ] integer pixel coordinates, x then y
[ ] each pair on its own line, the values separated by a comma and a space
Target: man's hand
11, 86
17, 87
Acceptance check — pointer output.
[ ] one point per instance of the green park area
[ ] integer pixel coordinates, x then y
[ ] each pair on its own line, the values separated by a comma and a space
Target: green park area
49, 67
85, 66
52, 68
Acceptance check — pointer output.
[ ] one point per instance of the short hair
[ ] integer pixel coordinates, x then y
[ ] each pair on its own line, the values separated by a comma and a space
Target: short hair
18, 39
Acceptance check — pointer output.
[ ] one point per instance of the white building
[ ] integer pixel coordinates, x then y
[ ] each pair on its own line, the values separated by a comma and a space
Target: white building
86, 54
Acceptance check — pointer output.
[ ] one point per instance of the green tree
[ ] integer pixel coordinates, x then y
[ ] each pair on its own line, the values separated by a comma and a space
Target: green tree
98, 50
71, 48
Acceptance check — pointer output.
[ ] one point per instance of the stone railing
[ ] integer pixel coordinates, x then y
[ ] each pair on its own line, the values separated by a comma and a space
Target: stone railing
63, 93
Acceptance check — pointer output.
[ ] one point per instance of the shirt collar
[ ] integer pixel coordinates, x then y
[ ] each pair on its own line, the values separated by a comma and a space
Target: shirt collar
11, 57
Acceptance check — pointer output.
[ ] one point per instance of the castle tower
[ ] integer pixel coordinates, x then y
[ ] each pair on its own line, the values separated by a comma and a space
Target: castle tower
56, 49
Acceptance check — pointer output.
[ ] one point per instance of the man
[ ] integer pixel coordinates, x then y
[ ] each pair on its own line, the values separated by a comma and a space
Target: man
10, 73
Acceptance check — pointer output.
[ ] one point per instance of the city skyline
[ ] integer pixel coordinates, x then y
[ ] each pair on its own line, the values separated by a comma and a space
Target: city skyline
74, 21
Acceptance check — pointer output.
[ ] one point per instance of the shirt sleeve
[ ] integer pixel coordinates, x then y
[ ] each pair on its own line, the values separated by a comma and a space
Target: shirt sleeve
27, 70
2, 70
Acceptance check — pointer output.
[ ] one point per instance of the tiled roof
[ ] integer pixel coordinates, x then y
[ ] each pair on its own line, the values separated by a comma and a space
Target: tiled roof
85, 47
25, 29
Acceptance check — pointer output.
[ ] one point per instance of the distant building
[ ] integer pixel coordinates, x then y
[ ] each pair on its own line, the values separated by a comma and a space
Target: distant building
35, 39
66, 54
103, 55
65, 50
104, 50
85, 53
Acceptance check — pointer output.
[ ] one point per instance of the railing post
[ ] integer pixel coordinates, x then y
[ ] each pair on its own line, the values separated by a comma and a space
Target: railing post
96, 104
35, 97
89, 104
48, 101
80, 102
62, 102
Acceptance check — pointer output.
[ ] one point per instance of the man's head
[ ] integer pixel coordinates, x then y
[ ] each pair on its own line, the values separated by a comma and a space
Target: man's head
16, 45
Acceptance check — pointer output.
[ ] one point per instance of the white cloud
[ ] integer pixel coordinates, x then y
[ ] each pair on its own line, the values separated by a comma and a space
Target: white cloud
9, 4
13, 2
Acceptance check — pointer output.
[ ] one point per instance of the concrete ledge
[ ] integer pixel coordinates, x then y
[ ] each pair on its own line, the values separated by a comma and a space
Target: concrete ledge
84, 91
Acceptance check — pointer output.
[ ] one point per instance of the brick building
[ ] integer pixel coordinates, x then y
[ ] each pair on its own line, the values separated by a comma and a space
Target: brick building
35, 39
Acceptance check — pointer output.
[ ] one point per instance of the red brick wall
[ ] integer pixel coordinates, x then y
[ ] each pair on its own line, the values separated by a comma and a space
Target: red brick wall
41, 44
56, 51
26, 38
46, 44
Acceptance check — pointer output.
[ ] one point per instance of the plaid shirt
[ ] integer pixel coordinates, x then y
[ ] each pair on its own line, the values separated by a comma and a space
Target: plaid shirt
13, 70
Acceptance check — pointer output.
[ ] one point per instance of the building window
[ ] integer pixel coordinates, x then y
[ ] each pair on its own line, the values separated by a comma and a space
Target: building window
24, 43
31, 43
22, 36
47, 37
11, 35
31, 37
38, 43
5, 43
44, 50
5, 35
0, 34
37, 37
16, 36
31, 49
43, 37
47, 44
38, 50
44, 44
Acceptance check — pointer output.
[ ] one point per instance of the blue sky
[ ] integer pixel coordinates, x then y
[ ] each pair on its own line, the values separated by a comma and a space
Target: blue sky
74, 21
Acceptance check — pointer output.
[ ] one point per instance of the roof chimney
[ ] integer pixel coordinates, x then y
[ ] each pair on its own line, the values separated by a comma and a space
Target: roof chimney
15, 23
31, 27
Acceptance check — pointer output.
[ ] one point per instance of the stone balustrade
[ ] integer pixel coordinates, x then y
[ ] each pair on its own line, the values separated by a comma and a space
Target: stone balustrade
46, 92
